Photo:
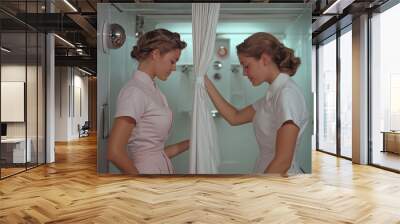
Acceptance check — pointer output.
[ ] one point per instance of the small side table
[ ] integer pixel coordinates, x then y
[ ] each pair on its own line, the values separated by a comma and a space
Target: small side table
14, 150
391, 141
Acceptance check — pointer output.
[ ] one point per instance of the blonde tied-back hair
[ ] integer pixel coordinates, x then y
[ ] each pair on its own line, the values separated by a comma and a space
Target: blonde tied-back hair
259, 43
161, 39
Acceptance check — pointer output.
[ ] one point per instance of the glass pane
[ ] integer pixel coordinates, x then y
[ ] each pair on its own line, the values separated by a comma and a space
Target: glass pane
327, 97
346, 94
41, 99
22, 79
31, 97
313, 88
386, 89
13, 86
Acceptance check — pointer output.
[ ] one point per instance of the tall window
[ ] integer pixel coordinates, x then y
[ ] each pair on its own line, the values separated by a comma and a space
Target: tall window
346, 93
385, 85
327, 96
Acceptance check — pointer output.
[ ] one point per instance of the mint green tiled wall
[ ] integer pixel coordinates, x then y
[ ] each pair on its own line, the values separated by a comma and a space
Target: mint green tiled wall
237, 144
238, 147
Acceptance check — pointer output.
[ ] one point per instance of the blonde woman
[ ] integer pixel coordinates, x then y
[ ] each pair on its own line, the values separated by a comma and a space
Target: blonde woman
143, 118
280, 117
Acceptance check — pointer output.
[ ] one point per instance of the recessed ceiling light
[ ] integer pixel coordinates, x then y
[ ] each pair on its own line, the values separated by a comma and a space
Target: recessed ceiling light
65, 41
5, 50
84, 71
337, 7
70, 5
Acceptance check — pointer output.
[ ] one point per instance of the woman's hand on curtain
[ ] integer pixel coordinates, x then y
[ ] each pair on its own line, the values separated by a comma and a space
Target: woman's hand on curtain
175, 149
228, 112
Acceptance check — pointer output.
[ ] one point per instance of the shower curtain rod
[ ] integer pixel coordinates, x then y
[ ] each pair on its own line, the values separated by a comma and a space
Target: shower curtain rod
230, 14
225, 7
222, 16
279, 35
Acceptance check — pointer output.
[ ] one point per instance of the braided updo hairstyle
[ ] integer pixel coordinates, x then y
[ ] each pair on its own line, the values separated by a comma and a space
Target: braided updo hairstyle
161, 39
259, 43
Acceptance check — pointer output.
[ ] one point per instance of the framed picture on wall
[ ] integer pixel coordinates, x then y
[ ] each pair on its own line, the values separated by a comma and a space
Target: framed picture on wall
12, 101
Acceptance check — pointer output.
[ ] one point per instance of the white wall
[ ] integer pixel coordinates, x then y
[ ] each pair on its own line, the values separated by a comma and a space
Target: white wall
70, 83
61, 103
80, 84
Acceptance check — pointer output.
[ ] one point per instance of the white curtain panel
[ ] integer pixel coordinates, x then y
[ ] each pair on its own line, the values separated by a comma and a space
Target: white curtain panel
204, 150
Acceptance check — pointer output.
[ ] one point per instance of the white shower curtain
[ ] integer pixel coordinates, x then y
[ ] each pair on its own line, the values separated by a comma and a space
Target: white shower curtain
204, 151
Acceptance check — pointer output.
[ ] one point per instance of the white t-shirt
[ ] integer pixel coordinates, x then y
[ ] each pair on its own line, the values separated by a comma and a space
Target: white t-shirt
283, 102
143, 101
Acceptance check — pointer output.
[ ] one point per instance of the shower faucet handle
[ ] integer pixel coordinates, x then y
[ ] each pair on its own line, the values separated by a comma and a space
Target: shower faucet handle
214, 113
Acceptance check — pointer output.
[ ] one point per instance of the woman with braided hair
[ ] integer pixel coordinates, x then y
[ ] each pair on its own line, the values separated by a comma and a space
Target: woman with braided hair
280, 117
143, 119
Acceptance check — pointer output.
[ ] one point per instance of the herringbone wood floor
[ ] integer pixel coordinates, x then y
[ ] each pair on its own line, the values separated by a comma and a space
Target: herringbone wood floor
70, 191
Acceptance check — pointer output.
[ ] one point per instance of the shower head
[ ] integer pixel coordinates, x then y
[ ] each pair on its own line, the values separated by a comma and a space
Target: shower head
186, 69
